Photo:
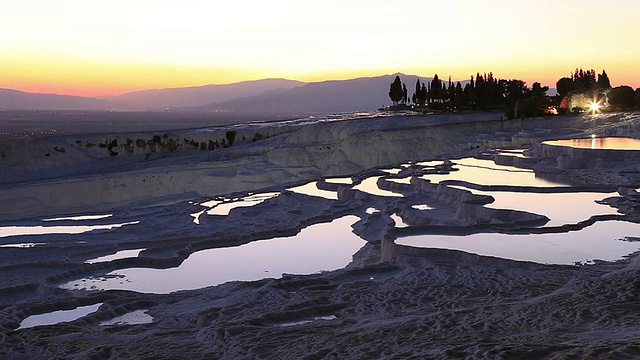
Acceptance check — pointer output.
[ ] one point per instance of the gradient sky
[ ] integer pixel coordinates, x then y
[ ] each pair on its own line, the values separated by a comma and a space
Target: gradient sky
101, 47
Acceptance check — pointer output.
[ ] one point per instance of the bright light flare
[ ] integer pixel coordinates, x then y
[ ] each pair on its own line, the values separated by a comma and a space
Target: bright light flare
594, 106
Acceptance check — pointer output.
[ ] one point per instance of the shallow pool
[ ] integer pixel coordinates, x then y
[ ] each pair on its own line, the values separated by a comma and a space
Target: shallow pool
56, 317
118, 255
600, 241
605, 143
370, 186
311, 189
560, 208
43, 230
327, 246
486, 172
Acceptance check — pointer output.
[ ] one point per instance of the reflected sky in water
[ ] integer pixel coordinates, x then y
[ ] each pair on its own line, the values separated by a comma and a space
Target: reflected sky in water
370, 186
607, 143
486, 172
118, 255
58, 316
560, 208
601, 241
41, 230
311, 189
319, 247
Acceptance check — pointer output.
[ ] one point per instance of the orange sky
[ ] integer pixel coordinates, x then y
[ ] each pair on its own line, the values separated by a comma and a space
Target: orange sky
107, 47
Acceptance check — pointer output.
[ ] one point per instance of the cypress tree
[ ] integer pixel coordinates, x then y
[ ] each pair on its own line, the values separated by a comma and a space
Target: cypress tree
395, 90
404, 94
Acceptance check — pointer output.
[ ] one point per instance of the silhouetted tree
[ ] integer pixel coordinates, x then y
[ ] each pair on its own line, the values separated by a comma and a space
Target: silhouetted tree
537, 90
514, 90
459, 99
564, 86
435, 92
416, 92
395, 90
404, 94
420, 95
585, 81
622, 97
603, 81
423, 95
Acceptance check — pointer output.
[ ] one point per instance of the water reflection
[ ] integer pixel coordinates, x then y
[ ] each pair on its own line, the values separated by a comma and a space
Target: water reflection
251, 200
319, 247
311, 189
58, 316
606, 143
347, 181
486, 172
560, 208
370, 186
42, 230
406, 180
601, 241
118, 255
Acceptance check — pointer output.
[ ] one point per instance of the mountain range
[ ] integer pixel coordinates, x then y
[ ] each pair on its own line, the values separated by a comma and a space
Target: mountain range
277, 96
267, 96
20, 100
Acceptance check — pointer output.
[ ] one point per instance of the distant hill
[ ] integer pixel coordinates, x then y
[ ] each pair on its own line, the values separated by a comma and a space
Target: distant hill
362, 94
14, 99
260, 97
199, 95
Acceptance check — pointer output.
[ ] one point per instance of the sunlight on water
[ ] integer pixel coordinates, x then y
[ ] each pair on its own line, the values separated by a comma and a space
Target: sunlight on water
370, 186
347, 181
251, 200
560, 208
319, 247
430, 163
311, 189
513, 153
58, 316
601, 241
406, 180
486, 172
606, 143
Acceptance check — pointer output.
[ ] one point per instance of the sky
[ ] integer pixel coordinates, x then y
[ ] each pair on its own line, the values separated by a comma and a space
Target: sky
108, 47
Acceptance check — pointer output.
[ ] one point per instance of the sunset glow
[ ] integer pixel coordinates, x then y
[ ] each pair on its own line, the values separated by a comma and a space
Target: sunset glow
113, 46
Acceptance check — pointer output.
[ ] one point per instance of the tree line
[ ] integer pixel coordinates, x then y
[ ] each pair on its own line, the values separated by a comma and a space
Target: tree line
485, 91
598, 87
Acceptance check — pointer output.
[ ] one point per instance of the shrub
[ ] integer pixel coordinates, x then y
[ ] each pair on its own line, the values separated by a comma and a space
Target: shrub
231, 137
622, 97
